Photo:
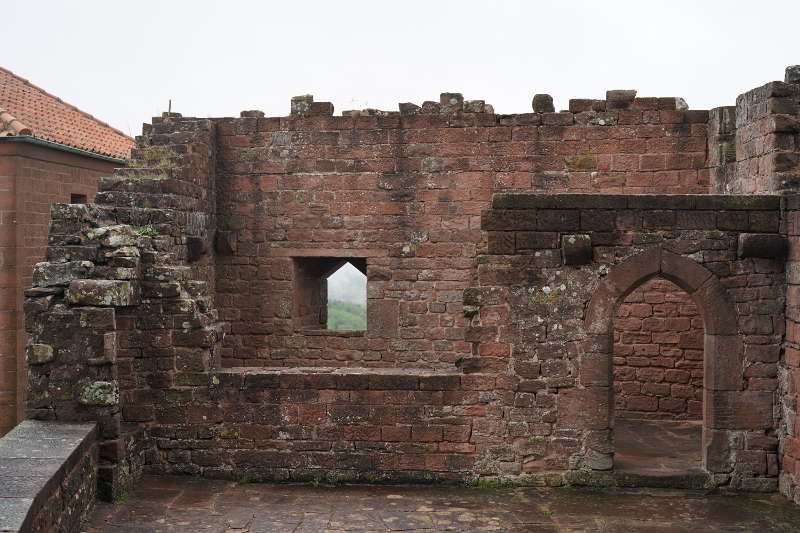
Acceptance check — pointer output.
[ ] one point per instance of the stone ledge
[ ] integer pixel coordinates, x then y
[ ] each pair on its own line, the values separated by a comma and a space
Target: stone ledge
35, 458
636, 201
347, 378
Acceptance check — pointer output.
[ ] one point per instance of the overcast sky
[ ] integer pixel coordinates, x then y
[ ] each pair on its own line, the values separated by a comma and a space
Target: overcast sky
122, 61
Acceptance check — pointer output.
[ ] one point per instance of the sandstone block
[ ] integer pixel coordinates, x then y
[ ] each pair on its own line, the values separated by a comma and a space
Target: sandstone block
619, 99
792, 74
451, 102
101, 292
474, 106
576, 249
542, 103
301, 105
99, 393
115, 236
407, 108
39, 354
54, 274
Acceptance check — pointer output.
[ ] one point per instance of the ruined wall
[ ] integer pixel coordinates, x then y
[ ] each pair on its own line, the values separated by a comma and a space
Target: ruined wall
405, 191
560, 327
31, 179
789, 368
535, 407
753, 146
658, 354
489, 347
121, 314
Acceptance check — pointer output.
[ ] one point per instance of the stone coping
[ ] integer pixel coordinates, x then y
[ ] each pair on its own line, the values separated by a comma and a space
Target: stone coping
751, 202
34, 458
348, 370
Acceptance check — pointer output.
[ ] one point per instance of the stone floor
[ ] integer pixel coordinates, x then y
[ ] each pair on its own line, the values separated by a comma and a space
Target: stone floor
184, 504
657, 447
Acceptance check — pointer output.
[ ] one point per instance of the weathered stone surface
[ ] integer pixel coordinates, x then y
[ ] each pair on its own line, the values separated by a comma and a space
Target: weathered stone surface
55, 274
99, 393
114, 236
451, 102
301, 105
47, 476
102, 293
792, 74
408, 108
599, 461
767, 245
39, 354
619, 99
576, 249
474, 106
542, 103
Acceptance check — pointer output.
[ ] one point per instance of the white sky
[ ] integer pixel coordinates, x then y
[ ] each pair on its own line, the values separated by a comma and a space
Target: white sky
348, 284
122, 61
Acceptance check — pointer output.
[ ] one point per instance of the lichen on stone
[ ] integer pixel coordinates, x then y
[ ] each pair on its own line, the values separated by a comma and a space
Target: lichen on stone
100, 393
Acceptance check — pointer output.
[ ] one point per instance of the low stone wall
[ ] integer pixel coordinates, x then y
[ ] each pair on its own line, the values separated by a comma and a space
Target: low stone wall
369, 424
48, 476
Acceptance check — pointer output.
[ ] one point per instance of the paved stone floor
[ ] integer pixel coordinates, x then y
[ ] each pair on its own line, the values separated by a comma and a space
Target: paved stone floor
184, 504
657, 447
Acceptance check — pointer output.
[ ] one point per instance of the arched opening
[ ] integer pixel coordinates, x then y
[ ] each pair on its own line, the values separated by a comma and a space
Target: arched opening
722, 356
347, 299
658, 381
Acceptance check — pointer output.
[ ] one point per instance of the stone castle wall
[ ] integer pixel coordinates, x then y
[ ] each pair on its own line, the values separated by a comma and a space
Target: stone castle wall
168, 310
405, 192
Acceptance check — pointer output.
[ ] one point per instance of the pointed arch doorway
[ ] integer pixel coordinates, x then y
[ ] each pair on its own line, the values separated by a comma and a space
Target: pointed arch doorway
722, 351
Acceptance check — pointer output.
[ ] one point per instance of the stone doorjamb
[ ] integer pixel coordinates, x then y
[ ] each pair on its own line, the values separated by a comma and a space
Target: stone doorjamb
723, 352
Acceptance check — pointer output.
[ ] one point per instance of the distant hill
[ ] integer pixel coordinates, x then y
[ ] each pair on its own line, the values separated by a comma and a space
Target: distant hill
346, 315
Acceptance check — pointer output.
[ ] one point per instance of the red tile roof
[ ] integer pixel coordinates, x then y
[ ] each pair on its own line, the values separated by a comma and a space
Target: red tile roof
26, 109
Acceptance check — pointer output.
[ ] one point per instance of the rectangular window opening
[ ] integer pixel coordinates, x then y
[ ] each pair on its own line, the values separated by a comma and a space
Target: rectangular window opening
330, 294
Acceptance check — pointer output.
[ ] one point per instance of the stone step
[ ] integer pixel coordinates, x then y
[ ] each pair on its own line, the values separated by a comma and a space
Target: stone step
146, 200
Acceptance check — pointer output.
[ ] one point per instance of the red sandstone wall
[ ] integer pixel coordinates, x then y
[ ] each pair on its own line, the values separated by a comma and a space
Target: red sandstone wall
31, 179
540, 410
754, 145
790, 371
658, 354
406, 192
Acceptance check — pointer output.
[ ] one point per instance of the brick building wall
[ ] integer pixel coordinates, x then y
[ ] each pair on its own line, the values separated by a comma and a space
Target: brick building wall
32, 178
658, 354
